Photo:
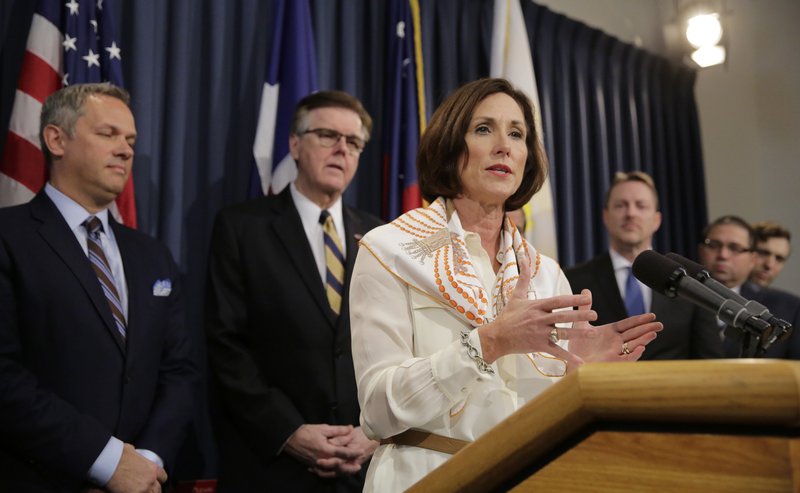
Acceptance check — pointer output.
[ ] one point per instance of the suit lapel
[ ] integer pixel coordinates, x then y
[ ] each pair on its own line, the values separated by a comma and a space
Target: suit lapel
607, 280
288, 228
132, 264
56, 233
751, 291
353, 231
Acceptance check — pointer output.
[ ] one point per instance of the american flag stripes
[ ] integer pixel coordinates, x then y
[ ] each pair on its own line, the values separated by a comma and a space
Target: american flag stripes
69, 42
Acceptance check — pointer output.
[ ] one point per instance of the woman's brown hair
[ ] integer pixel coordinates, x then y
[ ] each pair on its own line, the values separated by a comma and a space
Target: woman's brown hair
443, 144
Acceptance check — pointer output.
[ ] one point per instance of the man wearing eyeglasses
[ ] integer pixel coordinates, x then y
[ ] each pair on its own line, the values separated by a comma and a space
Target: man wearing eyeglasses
277, 316
727, 252
772, 251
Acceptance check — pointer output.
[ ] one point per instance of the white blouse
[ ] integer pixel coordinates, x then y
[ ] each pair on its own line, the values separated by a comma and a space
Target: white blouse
412, 370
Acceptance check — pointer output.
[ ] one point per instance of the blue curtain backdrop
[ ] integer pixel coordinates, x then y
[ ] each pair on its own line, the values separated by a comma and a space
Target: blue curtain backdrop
609, 106
195, 70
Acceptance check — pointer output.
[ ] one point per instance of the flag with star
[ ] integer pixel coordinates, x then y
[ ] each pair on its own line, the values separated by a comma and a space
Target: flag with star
404, 116
291, 75
69, 42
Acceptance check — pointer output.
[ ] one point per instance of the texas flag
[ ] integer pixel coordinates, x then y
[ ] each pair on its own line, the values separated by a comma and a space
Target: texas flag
291, 75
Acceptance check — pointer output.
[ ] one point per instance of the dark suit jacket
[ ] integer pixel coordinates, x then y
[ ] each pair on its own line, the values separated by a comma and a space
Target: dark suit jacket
689, 332
781, 304
67, 380
278, 354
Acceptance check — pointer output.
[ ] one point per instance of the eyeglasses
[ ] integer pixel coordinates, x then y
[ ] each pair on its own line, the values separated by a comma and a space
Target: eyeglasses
329, 138
716, 246
767, 254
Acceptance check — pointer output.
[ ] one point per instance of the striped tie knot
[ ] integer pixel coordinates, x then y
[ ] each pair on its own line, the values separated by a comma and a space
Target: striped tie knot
334, 262
99, 262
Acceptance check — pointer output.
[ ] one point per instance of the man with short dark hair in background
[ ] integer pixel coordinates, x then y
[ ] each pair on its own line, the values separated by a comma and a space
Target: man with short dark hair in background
96, 375
631, 217
726, 251
277, 316
772, 251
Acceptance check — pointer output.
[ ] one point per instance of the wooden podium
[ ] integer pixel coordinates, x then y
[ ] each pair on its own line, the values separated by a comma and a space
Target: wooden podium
660, 426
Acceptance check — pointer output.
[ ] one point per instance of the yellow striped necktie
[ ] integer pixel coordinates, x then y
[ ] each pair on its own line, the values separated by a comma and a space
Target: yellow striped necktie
334, 262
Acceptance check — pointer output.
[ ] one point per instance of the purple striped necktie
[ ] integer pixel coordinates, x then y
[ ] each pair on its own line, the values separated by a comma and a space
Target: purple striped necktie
100, 265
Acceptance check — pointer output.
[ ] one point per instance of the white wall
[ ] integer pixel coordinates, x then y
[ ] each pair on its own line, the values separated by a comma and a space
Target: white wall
749, 108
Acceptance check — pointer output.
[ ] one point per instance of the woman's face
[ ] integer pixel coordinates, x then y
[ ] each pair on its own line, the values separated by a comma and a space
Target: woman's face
496, 151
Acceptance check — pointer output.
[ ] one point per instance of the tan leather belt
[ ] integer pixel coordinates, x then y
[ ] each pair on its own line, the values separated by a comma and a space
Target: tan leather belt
430, 441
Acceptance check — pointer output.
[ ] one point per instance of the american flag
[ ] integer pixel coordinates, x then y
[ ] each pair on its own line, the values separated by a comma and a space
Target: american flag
69, 42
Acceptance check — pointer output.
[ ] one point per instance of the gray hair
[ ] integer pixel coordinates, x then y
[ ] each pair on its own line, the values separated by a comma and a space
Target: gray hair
329, 99
65, 106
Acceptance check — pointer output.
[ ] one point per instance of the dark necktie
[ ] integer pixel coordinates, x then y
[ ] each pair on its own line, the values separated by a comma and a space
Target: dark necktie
101, 268
634, 301
334, 262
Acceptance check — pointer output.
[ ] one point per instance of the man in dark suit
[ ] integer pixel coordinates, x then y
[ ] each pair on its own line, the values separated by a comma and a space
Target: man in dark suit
277, 316
631, 217
96, 377
728, 254
773, 246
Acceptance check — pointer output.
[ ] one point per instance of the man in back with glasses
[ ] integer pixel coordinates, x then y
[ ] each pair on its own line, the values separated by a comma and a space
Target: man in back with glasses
727, 251
277, 317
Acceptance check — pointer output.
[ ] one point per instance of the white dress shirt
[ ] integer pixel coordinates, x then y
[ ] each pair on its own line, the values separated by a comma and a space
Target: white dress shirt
75, 215
621, 271
309, 216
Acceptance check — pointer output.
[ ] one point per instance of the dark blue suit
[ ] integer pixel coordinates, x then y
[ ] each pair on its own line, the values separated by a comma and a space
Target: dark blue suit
67, 379
689, 332
781, 304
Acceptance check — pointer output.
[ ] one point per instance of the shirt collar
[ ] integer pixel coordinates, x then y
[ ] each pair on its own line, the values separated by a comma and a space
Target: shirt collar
310, 211
73, 212
618, 261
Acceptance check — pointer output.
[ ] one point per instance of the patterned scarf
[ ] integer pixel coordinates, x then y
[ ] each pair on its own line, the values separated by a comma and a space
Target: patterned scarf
433, 258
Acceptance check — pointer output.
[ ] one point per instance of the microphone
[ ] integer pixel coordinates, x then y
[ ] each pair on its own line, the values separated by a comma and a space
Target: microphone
669, 278
781, 328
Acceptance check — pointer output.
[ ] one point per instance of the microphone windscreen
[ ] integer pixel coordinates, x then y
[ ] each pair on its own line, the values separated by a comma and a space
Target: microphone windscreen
692, 268
655, 270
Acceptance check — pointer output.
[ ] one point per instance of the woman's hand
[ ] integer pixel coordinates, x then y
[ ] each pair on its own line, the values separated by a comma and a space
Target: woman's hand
624, 340
525, 326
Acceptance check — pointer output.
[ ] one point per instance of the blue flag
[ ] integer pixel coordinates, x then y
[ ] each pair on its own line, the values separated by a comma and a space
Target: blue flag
291, 75
404, 113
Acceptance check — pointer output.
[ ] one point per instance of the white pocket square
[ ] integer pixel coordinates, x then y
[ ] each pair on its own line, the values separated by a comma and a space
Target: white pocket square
162, 287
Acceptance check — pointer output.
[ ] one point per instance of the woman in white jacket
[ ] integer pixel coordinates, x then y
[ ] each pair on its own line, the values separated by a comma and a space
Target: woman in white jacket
456, 321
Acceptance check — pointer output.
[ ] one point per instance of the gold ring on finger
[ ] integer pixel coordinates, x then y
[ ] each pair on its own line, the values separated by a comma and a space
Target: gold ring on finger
554, 335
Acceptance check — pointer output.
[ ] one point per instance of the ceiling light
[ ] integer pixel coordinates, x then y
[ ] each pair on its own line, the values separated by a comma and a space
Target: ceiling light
709, 55
704, 30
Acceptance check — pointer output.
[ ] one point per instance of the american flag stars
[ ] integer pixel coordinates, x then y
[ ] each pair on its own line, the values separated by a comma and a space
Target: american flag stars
87, 43
114, 51
92, 58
